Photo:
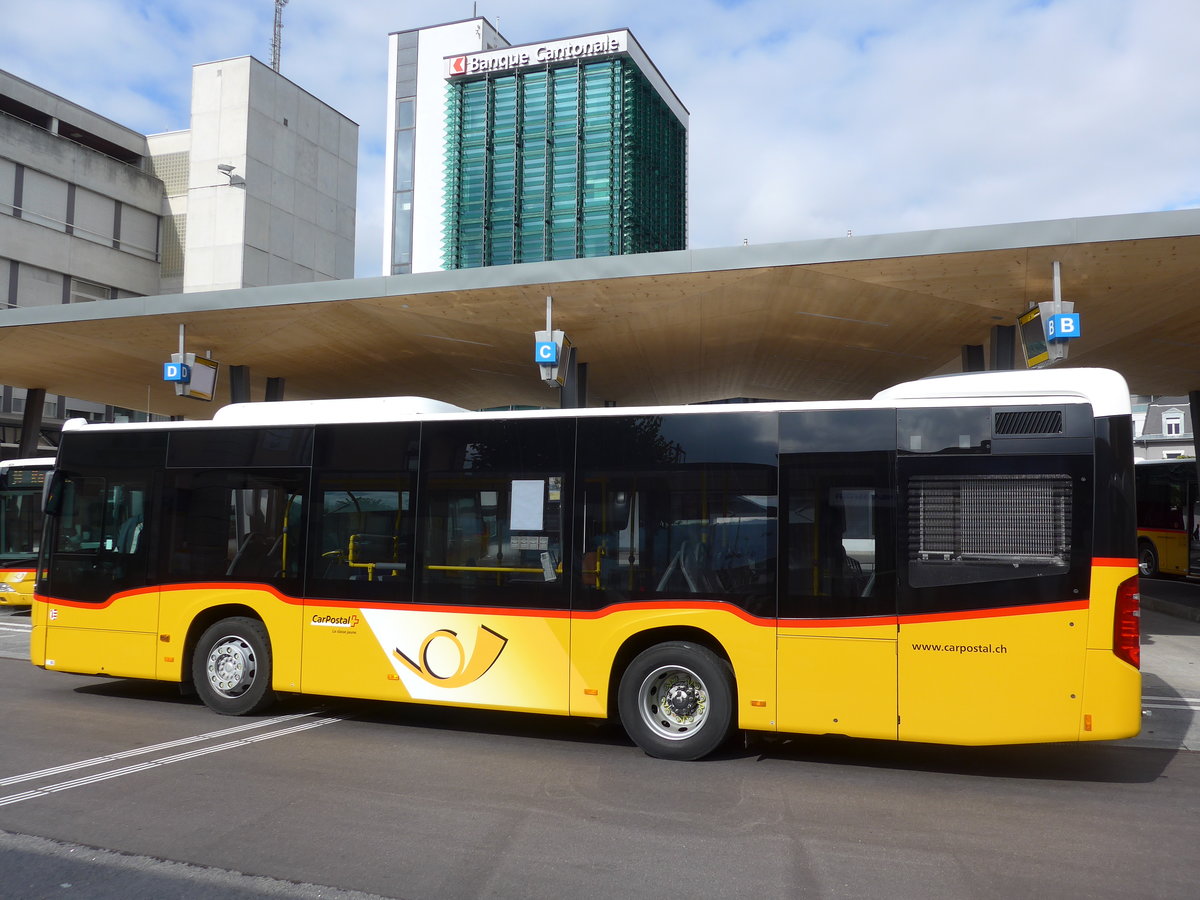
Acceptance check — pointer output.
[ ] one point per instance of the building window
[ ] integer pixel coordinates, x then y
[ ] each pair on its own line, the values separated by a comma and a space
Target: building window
1173, 422
86, 291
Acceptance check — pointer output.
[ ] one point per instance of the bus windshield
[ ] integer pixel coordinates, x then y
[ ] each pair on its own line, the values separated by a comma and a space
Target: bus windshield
21, 513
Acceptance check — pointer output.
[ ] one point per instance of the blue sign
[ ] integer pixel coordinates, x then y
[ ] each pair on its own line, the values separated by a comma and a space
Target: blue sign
545, 353
1062, 327
174, 371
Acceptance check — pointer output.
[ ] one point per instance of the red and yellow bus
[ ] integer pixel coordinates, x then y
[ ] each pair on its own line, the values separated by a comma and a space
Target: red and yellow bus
1168, 517
21, 484
952, 561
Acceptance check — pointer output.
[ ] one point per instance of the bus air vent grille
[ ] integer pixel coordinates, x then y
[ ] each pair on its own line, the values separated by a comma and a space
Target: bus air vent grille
1040, 421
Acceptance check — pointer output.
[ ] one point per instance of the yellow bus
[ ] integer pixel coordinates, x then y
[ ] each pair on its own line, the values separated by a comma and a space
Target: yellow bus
953, 561
1168, 517
21, 484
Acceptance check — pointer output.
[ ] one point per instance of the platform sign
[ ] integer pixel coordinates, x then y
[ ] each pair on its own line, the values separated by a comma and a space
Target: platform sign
550, 351
1062, 327
193, 376
177, 371
1045, 331
1033, 338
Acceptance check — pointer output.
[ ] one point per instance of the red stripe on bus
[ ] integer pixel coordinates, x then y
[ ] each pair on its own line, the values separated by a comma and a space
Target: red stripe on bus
1119, 562
614, 609
1000, 612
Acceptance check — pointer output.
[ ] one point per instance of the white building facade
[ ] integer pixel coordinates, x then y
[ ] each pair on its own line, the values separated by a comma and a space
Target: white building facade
259, 190
414, 174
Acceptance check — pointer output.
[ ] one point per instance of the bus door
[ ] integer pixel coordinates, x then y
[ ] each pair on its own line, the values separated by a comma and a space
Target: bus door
491, 623
1193, 525
100, 614
837, 600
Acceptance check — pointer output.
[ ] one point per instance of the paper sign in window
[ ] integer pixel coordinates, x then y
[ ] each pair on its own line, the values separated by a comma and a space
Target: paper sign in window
527, 505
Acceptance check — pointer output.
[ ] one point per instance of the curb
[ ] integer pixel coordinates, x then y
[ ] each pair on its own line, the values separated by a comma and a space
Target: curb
1178, 610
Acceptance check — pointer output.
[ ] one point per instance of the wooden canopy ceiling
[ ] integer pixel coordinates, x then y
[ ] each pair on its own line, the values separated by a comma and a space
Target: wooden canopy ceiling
808, 321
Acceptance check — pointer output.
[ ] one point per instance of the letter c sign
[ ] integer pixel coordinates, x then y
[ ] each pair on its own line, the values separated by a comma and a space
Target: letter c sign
545, 353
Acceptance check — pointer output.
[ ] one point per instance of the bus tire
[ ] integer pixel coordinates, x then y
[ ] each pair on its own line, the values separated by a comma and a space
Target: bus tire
676, 700
231, 667
1147, 560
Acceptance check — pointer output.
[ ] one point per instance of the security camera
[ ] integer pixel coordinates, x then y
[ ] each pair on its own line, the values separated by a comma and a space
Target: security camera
225, 167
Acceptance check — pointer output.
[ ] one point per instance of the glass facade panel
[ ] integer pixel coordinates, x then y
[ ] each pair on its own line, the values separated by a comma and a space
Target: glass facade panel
560, 163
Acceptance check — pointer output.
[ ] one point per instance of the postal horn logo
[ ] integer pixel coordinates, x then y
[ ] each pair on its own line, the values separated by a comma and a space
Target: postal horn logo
488, 647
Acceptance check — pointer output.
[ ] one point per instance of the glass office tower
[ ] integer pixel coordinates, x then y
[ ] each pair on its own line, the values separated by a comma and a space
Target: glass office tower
561, 162
501, 154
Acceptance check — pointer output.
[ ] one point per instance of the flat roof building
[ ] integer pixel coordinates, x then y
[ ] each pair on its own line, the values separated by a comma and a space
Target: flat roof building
259, 190
569, 148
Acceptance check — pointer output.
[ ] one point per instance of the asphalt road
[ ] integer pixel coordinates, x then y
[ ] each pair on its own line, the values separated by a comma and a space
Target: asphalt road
416, 802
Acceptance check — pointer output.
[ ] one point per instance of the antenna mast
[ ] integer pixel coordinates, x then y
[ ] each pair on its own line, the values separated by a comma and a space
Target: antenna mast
277, 35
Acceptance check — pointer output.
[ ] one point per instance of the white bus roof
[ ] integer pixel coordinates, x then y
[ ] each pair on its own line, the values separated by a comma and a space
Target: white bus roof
1103, 389
29, 461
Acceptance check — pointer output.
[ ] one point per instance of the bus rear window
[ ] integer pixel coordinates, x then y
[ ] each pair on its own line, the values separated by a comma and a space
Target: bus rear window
973, 528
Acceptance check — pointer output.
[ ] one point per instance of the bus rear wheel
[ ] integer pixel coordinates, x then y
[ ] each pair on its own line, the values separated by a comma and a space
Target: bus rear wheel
231, 667
1147, 560
676, 700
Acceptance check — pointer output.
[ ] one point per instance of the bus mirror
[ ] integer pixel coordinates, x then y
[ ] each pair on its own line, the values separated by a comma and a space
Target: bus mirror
52, 494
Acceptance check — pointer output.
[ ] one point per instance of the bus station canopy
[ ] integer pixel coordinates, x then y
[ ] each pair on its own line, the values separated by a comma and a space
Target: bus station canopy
813, 320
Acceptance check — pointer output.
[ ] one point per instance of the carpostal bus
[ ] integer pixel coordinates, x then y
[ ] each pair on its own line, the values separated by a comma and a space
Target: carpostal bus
1168, 517
953, 561
21, 484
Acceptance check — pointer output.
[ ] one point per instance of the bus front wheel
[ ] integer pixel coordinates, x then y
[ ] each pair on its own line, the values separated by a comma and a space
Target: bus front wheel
676, 700
1147, 560
231, 667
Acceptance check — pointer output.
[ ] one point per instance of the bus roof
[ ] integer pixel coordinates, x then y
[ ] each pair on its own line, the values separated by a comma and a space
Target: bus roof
1103, 389
30, 462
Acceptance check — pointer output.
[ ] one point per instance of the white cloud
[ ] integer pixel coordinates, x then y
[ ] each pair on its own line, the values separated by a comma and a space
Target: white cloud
806, 118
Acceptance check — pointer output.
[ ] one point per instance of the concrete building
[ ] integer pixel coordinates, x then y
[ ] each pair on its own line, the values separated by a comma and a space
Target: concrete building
500, 154
260, 190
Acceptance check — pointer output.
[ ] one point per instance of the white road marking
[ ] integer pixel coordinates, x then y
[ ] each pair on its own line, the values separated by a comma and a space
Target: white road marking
152, 748
164, 761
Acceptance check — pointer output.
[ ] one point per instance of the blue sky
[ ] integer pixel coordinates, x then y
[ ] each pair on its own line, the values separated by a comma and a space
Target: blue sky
809, 118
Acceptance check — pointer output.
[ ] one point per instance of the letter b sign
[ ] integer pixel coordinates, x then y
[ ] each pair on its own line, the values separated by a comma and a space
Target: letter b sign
1062, 327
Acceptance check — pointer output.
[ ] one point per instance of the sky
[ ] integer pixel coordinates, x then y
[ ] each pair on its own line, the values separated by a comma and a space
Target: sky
809, 118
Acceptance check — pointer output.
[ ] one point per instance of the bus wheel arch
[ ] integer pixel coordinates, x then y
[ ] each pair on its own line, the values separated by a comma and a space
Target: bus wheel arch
1147, 559
231, 664
676, 697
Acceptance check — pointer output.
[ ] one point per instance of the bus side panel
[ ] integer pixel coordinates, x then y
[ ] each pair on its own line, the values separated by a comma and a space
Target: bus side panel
20, 587
182, 606
118, 637
37, 635
838, 684
994, 677
496, 659
1112, 691
1171, 547
750, 645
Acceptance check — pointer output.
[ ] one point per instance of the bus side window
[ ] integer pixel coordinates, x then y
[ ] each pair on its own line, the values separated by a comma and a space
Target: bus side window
837, 542
491, 501
239, 525
363, 537
98, 539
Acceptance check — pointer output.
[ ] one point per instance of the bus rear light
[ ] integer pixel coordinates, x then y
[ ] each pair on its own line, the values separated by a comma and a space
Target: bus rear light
1126, 627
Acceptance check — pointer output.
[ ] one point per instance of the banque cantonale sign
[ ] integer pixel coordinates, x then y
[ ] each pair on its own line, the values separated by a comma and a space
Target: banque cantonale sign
534, 54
